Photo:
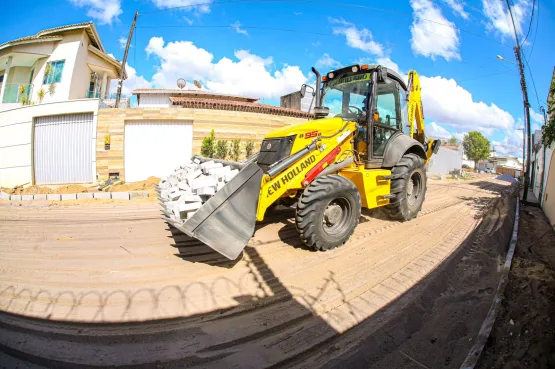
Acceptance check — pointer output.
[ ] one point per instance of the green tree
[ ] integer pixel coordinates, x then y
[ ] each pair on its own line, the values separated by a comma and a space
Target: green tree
221, 149
235, 151
453, 141
208, 146
548, 130
476, 147
249, 148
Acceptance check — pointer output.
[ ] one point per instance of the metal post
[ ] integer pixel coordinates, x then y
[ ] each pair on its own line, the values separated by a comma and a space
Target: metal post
526, 106
120, 80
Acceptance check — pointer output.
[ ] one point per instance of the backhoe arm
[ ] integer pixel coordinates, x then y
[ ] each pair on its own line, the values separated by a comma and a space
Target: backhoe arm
416, 115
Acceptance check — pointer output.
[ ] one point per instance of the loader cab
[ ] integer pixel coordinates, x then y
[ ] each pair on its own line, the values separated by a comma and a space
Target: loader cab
372, 96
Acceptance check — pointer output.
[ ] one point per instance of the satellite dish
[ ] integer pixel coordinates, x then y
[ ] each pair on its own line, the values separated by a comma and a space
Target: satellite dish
181, 83
197, 83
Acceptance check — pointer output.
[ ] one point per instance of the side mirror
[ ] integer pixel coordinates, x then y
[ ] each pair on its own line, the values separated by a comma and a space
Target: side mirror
303, 90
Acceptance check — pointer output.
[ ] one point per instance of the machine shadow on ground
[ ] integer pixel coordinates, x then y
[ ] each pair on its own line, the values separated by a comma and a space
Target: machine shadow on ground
298, 334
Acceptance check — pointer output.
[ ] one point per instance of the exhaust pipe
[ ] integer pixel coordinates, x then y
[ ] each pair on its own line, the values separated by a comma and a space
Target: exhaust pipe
319, 110
318, 88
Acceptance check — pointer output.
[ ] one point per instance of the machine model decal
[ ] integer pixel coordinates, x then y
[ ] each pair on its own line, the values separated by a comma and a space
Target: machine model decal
349, 79
291, 174
343, 136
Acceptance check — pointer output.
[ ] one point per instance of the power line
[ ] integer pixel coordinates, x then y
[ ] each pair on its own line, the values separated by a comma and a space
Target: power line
531, 20
450, 25
536, 33
533, 82
264, 28
300, 31
487, 75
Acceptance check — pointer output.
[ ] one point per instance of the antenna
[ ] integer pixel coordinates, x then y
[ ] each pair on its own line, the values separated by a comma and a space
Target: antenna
197, 83
181, 83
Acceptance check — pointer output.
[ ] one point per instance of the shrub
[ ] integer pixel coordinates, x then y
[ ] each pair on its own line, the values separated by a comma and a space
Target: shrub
221, 149
249, 148
235, 151
208, 146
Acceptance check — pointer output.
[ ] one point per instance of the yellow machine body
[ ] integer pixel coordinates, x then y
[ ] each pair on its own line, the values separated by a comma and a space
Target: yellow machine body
371, 183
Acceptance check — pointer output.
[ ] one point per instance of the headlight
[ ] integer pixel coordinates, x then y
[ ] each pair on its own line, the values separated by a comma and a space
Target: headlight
355, 69
331, 75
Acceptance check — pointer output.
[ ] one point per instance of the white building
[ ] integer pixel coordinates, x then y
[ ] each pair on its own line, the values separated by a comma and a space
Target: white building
51, 85
65, 63
162, 97
447, 159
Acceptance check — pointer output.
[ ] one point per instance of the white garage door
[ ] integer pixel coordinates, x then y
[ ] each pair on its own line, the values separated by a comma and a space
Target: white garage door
64, 149
155, 148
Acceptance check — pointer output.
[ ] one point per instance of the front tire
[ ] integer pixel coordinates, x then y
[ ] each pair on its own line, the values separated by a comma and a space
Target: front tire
328, 212
408, 187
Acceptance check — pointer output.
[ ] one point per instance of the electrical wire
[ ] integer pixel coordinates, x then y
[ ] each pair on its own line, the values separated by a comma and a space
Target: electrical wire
536, 33
336, 3
533, 82
531, 20
487, 75
262, 28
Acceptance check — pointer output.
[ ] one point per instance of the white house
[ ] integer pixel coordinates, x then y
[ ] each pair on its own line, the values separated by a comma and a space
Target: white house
162, 97
51, 86
57, 64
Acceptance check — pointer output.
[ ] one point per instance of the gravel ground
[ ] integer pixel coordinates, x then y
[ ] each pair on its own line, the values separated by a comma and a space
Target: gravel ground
524, 333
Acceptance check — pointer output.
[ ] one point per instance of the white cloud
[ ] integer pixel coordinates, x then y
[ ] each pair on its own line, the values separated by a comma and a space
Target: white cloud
188, 20
434, 130
122, 42
536, 118
328, 62
499, 19
249, 74
511, 145
104, 11
429, 37
451, 105
457, 7
200, 6
388, 63
237, 27
132, 82
297, 13
316, 44
357, 38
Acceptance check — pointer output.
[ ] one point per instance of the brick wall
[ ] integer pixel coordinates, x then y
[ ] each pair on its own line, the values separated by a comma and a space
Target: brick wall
227, 124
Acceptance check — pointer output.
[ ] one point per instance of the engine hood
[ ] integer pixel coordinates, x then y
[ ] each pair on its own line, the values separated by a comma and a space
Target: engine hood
324, 127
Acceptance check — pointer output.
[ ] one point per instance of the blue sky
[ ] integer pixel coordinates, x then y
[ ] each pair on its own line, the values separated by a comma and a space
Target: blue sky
266, 49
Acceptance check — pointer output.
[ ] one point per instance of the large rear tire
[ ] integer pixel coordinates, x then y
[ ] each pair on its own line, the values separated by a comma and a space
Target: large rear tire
408, 187
328, 212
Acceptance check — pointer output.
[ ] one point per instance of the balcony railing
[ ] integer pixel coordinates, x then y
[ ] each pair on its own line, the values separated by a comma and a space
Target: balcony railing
17, 92
92, 94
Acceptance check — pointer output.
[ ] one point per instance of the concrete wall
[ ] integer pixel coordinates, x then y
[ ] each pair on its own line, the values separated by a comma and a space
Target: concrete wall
67, 50
19, 75
16, 137
81, 73
155, 101
228, 125
549, 193
445, 161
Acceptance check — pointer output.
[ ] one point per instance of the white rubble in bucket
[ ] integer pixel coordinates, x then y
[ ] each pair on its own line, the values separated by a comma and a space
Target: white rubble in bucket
190, 185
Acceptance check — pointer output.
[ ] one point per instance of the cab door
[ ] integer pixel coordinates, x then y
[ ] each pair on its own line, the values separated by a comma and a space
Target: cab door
387, 116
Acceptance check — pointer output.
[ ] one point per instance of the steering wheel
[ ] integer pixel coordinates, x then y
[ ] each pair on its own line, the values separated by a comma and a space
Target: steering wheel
358, 111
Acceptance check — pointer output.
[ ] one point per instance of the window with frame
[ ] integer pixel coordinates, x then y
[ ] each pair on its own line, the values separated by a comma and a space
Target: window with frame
55, 73
1, 78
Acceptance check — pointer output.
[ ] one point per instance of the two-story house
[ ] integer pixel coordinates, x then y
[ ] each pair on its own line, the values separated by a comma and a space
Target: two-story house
51, 87
65, 63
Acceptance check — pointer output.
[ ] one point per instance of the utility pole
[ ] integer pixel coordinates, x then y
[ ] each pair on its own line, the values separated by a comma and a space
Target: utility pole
526, 107
542, 109
120, 80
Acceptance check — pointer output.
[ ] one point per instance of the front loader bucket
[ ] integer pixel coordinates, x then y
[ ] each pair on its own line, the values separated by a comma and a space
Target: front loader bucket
226, 221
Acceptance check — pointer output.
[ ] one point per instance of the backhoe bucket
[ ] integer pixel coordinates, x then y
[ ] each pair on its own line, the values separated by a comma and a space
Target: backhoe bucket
226, 221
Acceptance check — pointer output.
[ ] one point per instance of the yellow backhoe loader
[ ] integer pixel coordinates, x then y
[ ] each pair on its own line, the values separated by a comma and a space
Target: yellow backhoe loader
365, 147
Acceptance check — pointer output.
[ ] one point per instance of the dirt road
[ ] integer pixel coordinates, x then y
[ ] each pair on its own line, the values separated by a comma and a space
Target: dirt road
173, 302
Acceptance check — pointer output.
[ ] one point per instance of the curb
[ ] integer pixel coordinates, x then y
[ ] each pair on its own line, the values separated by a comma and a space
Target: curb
77, 196
476, 350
